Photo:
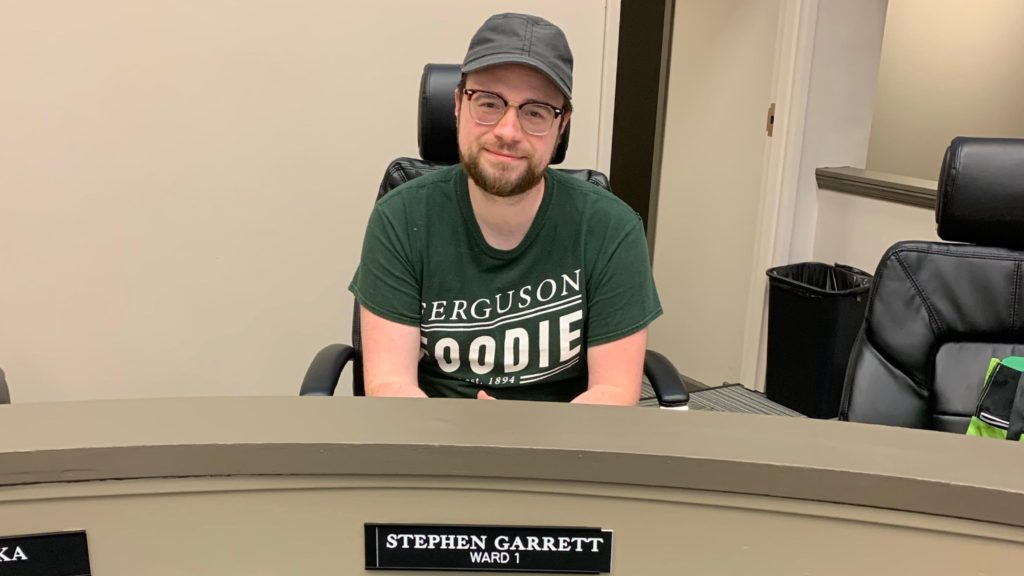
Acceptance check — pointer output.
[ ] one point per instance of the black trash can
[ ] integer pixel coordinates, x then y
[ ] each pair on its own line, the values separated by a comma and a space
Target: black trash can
814, 313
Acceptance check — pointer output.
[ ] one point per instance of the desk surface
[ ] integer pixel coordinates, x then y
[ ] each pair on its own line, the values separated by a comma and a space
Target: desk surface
280, 486
825, 461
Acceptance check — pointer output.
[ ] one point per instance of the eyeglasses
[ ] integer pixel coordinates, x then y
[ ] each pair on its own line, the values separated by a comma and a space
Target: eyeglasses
488, 108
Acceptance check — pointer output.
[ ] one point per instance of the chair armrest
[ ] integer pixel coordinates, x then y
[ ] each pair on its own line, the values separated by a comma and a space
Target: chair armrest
665, 379
325, 370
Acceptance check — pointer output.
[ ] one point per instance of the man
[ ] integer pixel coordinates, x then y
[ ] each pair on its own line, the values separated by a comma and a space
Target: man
498, 277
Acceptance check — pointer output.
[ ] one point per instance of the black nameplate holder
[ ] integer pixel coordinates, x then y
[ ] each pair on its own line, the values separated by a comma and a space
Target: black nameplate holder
58, 554
448, 547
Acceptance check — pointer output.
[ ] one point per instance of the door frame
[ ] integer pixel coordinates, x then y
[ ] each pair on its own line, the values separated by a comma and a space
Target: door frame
794, 51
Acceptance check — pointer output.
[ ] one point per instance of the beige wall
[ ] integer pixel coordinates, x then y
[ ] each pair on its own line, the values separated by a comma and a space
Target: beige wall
837, 123
829, 125
856, 231
949, 68
720, 82
184, 185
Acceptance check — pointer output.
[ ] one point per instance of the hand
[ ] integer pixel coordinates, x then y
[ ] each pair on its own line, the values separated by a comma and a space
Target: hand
481, 395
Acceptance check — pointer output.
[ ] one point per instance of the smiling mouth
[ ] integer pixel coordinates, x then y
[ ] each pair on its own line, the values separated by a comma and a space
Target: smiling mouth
503, 155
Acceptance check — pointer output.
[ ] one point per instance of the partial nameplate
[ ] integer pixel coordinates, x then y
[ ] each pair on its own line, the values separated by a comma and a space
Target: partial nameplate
488, 548
59, 554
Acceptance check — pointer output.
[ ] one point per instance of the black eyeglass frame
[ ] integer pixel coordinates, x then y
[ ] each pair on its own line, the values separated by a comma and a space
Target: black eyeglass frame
470, 92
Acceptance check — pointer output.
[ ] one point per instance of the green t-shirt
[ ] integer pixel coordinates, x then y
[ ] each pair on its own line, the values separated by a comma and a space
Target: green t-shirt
515, 323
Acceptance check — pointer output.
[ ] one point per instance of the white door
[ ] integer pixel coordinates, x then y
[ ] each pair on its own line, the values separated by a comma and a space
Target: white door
715, 148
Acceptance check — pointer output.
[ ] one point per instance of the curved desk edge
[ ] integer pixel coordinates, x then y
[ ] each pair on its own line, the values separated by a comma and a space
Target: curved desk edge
824, 461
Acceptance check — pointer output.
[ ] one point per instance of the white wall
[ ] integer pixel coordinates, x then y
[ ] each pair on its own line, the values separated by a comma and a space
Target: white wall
837, 122
828, 64
184, 185
708, 233
949, 68
719, 88
856, 231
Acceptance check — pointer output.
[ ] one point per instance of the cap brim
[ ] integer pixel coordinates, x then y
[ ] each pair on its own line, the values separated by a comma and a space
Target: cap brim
495, 59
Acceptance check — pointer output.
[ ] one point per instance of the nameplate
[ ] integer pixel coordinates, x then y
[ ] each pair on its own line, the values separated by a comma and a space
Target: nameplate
60, 554
488, 548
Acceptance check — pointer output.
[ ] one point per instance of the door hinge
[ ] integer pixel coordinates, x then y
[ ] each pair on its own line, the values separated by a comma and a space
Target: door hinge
770, 122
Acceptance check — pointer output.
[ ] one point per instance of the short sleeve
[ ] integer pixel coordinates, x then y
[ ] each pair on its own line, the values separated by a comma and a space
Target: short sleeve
622, 298
386, 282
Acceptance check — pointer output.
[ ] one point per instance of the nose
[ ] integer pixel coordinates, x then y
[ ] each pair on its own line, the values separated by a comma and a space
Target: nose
509, 128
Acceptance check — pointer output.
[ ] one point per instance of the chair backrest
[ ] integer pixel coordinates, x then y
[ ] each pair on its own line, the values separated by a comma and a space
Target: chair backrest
438, 146
938, 311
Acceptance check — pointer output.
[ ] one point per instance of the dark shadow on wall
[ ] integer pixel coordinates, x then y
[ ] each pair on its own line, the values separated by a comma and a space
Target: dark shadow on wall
641, 80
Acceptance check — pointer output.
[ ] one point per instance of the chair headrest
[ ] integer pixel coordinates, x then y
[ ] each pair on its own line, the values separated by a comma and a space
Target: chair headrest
437, 131
981, 192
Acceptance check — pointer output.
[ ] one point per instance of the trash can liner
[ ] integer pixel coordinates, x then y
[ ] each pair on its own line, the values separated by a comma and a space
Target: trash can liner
816, 278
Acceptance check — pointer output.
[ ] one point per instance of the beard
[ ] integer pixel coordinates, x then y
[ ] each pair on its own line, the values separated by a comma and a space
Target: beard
503, 181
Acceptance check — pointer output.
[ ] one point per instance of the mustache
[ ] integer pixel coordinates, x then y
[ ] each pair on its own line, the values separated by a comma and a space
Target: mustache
497, 146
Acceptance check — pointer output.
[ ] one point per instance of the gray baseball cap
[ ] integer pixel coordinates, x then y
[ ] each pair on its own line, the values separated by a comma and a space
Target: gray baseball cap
522, 39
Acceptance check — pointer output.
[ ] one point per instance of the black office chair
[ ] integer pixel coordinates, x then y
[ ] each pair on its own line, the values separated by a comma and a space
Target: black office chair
5, 394
439, 148
938, 311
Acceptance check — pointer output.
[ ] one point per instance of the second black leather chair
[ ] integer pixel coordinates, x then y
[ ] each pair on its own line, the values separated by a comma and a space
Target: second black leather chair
938, 311
439, 148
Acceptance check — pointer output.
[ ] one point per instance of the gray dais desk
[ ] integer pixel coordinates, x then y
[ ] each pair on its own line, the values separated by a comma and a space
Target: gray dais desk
260, 486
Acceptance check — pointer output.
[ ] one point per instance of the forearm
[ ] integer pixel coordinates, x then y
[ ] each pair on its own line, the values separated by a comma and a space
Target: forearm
395, 389
390, 356
615, 370
607, 394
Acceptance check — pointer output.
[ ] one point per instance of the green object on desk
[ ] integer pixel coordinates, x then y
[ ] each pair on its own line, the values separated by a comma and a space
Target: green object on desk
1000, 411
